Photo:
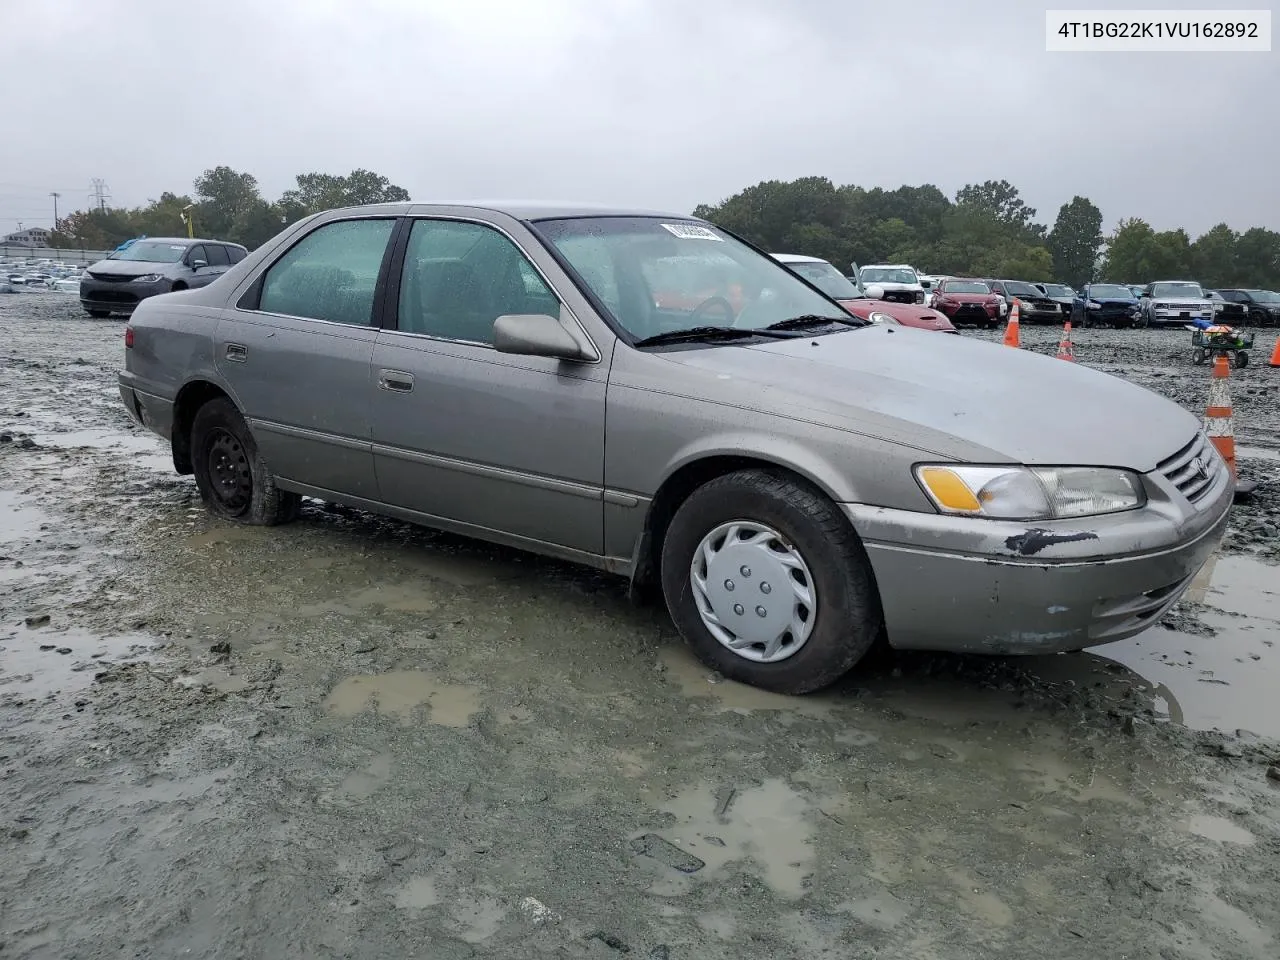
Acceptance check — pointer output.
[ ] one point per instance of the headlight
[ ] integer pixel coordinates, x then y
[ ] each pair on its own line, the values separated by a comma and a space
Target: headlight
1094, 305
149, 278
883, 318
86, 275
1030, 493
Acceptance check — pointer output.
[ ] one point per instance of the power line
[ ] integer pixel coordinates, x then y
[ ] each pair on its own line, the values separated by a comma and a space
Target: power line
99, 193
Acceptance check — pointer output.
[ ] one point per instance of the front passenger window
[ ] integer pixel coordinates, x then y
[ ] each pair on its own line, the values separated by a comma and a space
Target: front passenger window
459, 277
331, 274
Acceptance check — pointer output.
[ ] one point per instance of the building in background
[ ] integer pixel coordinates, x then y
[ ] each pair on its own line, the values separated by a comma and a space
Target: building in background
30, 237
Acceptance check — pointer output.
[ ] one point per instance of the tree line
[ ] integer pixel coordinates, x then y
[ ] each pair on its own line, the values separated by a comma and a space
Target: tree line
987, 230
225, 205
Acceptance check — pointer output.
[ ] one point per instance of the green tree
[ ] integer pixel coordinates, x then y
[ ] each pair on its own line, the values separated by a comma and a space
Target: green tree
225, 196
1138, 254
999, 200
1213, 256
1030, 263
1075, 241
1258, 259
324, 191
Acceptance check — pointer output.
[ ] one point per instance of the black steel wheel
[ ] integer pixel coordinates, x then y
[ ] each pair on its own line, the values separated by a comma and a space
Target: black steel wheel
234, 481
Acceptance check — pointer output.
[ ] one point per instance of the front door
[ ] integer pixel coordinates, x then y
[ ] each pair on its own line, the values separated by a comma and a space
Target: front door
296, 353
461, 432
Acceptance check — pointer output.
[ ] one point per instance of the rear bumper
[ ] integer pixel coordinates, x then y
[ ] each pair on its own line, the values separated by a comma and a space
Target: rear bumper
1063, 586
146, 409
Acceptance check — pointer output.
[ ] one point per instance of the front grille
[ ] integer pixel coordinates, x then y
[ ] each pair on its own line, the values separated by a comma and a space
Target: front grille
113, 296
971, 310
900, 296
1183, 469
112, 277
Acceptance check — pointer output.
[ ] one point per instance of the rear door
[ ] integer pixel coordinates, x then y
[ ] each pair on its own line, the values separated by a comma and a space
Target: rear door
219, 262
296, 351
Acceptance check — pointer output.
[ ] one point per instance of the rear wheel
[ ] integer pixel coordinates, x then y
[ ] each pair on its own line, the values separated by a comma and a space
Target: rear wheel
96, 313
1241, 359
233, 479
768, 583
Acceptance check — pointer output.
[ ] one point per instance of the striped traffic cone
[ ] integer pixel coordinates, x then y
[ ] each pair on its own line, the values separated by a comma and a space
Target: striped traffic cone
1011, 337
1065, 350
1219, 423
1275, 355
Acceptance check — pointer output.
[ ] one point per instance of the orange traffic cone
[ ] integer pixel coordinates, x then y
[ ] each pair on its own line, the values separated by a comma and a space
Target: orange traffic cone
1275, 355
1065, 350
1011, 338
1217, 416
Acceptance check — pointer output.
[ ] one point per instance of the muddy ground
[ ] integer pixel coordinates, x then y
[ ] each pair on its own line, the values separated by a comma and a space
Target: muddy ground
353, 738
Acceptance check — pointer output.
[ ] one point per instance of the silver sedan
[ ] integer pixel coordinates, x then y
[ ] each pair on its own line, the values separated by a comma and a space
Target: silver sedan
648, 394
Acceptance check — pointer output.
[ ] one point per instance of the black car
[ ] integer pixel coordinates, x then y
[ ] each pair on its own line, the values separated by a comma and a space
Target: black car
1105, 305
1227, 311
1262, 306
1033, 305
154, 265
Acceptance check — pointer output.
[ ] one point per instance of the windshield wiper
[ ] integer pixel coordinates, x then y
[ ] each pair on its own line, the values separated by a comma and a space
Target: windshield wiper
712, 333
815, 320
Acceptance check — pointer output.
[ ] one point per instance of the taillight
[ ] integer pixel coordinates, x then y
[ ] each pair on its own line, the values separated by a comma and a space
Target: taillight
128, 337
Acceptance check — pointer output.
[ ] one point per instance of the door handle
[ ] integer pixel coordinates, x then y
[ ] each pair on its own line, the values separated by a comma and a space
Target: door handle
237, 353
395, 380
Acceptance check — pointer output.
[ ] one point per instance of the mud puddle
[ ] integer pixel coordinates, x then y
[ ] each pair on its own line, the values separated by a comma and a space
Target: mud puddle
142, 449
36, 662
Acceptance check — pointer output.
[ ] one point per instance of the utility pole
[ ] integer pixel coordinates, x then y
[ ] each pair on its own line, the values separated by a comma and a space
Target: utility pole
55, 196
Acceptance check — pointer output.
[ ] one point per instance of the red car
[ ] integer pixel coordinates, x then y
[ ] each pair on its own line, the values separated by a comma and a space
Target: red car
863, 303
968, 301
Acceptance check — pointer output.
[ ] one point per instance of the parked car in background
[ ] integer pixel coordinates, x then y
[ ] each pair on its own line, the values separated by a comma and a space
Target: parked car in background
1105, 305
1060, 294
1226, 311
900, 281
1174, 301
1262, 306
930, 283
1136, 289
797, 482
1033, 305
967, 301
155, 265
869, 304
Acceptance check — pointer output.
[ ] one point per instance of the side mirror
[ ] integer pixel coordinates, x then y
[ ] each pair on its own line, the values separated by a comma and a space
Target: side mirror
535, 335
197, 264
874, 291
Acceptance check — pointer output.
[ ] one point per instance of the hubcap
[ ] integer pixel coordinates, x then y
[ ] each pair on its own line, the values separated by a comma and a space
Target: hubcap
229, 474
753, 591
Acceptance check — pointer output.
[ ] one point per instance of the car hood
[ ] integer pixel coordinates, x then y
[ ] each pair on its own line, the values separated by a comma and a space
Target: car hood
893, 286
128, 268
908, 314
1112, 301
951, 397
983, 298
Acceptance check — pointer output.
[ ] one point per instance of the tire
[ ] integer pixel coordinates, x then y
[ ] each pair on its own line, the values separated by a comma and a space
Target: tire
246, 491
1258, 318
848, 620
1199, 356
179, 285
97, 314
1240, 360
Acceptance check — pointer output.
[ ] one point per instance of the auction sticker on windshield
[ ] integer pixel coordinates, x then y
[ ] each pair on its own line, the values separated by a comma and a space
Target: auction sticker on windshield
691, 231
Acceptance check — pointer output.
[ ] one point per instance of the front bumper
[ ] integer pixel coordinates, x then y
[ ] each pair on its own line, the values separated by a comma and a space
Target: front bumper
994, 587
118, 296
969, 313
1177, 315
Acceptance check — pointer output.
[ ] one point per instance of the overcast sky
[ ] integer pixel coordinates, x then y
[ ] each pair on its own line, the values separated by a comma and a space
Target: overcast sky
662, 103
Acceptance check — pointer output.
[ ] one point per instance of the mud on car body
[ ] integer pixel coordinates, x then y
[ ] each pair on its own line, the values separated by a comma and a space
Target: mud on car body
797, 483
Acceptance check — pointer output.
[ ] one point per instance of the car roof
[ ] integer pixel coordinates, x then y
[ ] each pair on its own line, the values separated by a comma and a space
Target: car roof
532, 209
796, 258
892, 266
186, 241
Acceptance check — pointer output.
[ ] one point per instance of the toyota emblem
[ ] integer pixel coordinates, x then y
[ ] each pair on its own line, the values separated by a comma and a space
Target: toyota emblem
1201, 470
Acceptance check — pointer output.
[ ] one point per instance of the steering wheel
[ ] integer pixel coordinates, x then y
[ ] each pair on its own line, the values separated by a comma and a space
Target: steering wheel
714, 303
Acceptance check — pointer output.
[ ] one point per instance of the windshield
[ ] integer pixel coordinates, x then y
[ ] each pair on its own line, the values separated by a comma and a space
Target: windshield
1189, 290
869, 275
151, 251
1058, 290
963, 286
658, 276
1264, 296
1017, 288
1110, 290
826, 278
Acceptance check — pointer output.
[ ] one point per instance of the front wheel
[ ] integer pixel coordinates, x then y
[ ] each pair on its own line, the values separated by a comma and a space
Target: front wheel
96, 313
1240, 360
769, 584
233, 479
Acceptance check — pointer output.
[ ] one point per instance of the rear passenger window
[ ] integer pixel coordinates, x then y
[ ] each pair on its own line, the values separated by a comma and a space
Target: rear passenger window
331, 274
217, 254
236, 254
